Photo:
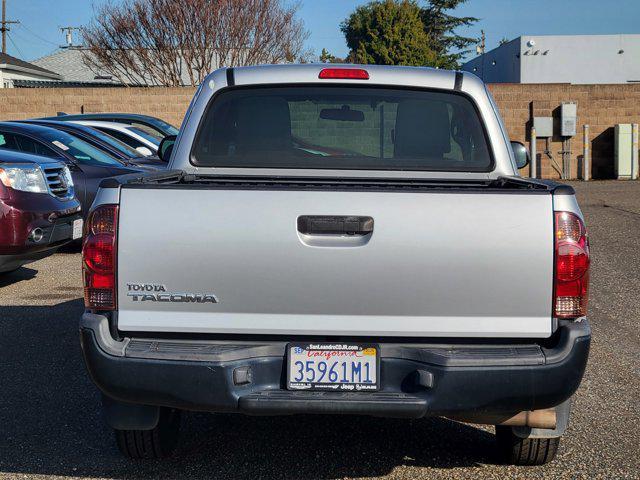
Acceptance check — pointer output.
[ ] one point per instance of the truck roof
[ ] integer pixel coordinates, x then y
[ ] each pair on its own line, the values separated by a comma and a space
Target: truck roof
378, 74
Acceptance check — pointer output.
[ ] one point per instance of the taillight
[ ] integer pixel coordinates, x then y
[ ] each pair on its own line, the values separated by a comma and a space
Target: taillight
344, 73
571, 286
99, 258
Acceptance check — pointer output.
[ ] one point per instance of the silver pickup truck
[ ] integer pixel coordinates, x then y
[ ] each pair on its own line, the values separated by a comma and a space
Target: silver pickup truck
338, 240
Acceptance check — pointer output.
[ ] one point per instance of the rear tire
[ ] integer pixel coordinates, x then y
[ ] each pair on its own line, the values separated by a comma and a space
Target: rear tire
525, 451
159, 442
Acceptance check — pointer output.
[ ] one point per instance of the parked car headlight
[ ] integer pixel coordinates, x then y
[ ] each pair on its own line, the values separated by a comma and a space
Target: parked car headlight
28, 177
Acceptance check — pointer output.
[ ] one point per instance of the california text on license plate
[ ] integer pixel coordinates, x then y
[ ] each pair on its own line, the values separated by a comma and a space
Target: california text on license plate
329, 366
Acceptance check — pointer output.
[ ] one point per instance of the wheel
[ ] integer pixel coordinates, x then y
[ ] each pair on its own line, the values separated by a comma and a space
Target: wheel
159, 442
525, 451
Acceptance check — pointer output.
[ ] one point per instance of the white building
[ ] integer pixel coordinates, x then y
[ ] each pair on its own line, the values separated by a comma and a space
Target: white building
13, 70
577, 59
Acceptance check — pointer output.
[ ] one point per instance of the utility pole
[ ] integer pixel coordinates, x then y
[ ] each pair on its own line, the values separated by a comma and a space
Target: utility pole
480, 49
3, 26
68, 36
481, 46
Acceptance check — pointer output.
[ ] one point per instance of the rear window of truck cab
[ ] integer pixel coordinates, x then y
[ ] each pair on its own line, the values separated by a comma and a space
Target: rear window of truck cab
336, 127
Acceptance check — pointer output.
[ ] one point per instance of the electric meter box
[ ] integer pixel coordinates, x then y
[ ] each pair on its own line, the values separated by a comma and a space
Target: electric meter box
568, 119
543, 126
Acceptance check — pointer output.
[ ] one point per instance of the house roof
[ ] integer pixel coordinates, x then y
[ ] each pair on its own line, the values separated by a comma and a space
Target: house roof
13, 63
69, 64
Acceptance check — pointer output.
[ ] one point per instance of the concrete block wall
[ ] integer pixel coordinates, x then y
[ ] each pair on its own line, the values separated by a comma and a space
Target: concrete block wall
170, 104
599, 106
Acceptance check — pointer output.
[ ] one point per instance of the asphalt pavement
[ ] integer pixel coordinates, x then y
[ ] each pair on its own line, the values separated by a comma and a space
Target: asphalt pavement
51, 426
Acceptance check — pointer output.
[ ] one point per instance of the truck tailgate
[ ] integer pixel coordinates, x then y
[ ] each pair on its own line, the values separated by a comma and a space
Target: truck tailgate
445, 264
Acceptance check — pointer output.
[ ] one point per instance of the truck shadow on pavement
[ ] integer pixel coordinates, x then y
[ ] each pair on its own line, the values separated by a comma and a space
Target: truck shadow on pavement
20, 275
50, 424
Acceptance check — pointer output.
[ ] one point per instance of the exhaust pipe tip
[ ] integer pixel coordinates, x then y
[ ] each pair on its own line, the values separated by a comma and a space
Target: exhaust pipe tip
535, 419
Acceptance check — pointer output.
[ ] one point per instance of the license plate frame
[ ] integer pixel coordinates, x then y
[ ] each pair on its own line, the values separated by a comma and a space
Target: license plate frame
347, 347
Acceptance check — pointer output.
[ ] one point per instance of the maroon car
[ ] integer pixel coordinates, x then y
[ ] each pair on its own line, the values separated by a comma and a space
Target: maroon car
38, 209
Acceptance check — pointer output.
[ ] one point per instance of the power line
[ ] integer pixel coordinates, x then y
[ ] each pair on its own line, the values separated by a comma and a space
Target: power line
15, 46
21, 38
31, 32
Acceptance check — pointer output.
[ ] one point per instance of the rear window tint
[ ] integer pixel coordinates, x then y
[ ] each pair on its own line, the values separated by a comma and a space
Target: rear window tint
322, 127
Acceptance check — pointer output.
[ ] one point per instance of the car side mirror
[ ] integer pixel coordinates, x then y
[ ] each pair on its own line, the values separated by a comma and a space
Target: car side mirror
166, 147
144, 151
520, 153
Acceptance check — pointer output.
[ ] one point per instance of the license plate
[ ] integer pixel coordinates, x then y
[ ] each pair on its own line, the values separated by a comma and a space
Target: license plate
77, 229
318, 366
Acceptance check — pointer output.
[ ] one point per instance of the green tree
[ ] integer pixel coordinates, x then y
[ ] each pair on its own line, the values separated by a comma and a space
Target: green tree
388, 32
440, 27
325, 56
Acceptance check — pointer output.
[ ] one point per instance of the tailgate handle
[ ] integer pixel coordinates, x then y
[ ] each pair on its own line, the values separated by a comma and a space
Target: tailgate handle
335, 225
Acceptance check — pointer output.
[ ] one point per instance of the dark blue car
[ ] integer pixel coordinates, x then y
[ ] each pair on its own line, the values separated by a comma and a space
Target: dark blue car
103, 141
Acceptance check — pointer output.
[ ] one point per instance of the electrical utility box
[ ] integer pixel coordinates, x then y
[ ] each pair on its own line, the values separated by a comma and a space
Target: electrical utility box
623, 152
568, 119
543, 126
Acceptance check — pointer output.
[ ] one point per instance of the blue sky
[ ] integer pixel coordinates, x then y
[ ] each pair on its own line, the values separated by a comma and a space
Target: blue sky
39, 33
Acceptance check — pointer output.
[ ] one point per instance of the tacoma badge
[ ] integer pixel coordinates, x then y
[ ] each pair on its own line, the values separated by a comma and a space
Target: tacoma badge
154, 292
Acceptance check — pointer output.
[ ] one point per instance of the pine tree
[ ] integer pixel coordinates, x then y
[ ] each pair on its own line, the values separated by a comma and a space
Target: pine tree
440, 28
401, 32
326, 57
388, 32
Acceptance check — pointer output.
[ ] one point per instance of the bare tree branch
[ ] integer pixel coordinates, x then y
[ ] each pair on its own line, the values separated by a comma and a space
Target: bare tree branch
174, 43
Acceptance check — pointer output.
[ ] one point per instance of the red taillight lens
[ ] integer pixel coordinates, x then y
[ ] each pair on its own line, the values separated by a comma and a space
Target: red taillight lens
344, 74
98, 252
99, 258
571, 286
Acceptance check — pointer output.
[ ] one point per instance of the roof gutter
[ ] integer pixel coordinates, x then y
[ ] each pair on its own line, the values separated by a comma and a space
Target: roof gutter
10, 66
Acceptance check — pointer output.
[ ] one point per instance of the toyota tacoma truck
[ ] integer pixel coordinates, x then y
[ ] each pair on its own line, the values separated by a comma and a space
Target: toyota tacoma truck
338, 240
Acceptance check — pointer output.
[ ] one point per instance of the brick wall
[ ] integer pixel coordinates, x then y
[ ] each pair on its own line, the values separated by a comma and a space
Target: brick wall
170, 104
599, 106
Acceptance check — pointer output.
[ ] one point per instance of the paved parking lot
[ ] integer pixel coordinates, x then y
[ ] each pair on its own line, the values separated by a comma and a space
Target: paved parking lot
50, 423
